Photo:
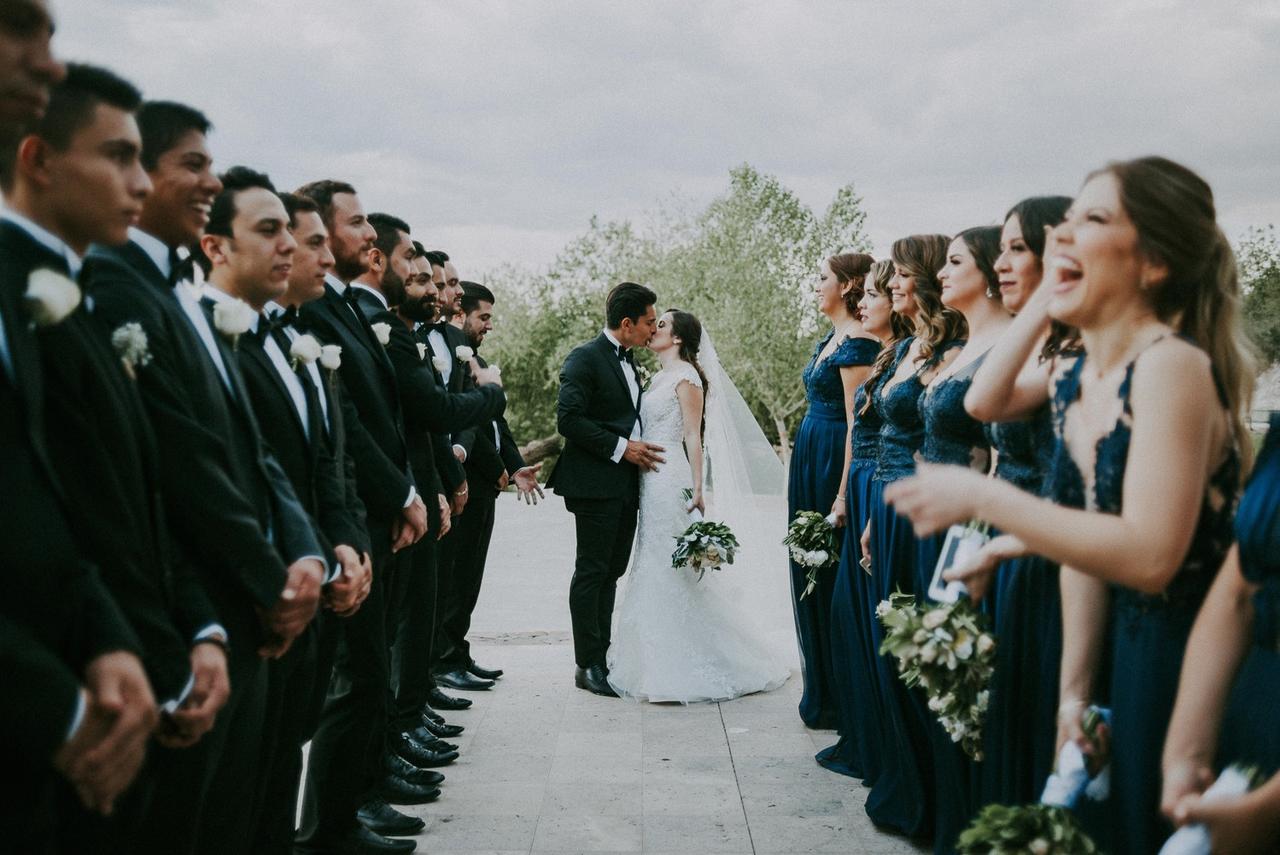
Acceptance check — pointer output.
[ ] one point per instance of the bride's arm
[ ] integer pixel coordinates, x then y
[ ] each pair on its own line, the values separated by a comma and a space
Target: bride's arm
691, 416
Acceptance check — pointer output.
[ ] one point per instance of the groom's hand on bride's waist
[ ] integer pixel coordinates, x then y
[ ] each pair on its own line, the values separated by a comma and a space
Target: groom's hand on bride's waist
646, 455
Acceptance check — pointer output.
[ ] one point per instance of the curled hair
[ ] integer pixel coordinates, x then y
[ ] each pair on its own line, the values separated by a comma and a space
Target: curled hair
899, 328
851, 267
983, 243
1036, 214
688, 329
1173, 211
921, 257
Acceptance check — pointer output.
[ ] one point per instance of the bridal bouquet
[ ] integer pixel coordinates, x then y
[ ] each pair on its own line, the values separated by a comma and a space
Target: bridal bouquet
1015, 830
946, 650
704, 546
811, 538
1234, 781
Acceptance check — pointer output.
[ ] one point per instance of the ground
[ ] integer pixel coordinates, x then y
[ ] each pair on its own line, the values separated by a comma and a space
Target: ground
549, 768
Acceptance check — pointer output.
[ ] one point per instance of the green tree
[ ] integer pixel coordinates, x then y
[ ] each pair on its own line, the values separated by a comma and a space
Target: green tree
1259, 258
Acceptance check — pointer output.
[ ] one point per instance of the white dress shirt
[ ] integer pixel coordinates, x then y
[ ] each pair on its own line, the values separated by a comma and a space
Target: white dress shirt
633, 386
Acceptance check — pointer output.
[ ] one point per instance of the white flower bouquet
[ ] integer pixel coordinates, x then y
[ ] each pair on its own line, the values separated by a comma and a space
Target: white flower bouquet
948, 652
704, 546
1020, 829
811, 539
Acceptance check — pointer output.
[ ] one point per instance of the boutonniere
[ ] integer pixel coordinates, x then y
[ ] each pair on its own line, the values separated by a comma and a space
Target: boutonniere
233, 318
50, 297
382, 331
422, 351
439, 363
304, 351
130, 342
463, 353
644, 375
331, 356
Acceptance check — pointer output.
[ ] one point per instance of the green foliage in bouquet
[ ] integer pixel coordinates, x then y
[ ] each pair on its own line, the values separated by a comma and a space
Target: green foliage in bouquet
704, 546
1017, 830
813, 545
947, 651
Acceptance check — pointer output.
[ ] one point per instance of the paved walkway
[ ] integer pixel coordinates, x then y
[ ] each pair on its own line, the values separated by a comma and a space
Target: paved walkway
546, 767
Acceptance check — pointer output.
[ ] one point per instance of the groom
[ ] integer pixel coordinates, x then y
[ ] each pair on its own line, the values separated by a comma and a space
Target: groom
598, 413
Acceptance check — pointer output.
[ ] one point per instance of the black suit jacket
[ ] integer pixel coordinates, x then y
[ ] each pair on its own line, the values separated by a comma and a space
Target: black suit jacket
307, 456
376, 437
103, 451
488, 458
223, 491
55, 615
593, 410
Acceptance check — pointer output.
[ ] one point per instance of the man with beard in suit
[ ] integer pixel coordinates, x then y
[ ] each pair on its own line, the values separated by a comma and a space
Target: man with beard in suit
228, 501
492, 462
99, 437
80, 708
347, 784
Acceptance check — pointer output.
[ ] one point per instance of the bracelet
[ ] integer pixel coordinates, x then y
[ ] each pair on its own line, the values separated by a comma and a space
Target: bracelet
840, 499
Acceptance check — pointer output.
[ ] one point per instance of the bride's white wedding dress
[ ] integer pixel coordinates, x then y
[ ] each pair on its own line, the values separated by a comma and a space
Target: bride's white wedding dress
677, 638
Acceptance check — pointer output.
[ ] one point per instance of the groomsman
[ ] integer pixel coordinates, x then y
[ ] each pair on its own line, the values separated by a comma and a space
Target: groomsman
79, 704
99, 439
228, 501
492, 462
347, 785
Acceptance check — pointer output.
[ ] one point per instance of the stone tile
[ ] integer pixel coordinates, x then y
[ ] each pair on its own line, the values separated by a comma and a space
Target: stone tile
595, 797
806, 833
588, 832
463, 793
717, 833
761, 743
680, 797
469, 832
587, 768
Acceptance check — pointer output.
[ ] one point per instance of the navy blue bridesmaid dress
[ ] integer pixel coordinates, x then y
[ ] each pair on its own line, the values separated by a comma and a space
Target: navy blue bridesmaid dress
817, 468
853, 605
951, 436
1148, 632
1021, 726
1249, 733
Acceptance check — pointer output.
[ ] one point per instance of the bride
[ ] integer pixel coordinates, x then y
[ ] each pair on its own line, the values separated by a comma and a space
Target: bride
679, 639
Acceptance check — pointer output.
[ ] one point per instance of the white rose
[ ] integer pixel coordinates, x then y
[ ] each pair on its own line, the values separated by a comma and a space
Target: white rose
883, 608
985, 644
304, 350
422, 351
928, 653
440, 363
821, 556
463, 353
331, 356
233, 318
130, 343
1039, 846
382, 331
50, 297
935, 618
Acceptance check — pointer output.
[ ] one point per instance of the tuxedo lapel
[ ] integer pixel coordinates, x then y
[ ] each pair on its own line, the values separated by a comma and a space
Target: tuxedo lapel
611, 357
136, 257
256, 351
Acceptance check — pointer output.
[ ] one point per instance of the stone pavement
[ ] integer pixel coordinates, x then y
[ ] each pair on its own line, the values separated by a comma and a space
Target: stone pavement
549, 768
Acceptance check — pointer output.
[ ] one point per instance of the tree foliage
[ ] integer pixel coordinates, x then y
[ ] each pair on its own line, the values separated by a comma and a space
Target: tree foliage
1259, 258
746, 265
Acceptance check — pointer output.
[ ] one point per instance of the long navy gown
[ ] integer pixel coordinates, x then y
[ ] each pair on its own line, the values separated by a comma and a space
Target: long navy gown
817, 467
1249, 732
1021, 725
1149, 632
902, 797
853, 606
952, 436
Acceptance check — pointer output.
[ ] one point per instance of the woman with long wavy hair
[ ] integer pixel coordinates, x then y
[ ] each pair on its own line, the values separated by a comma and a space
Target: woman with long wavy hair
1152, 438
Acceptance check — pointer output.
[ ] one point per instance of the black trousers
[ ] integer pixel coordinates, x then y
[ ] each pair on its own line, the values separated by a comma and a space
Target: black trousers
605, 531
413, 652
348, 747
471, 537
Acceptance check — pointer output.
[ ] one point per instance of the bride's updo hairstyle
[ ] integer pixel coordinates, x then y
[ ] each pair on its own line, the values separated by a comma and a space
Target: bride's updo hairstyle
1173, 211
851, 267
921, 257
688, 329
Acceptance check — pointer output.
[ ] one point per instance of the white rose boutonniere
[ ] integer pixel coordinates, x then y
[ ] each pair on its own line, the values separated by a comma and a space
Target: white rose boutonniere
130, 343
50, 297
233, 318
304, 350
422, 351
463, 353
382, 331
439, 363
331, 356
644, 376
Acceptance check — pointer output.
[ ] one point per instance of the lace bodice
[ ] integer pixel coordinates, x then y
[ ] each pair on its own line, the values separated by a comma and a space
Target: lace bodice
1025, 450
951, 435
822, 384
897, 403
660, 407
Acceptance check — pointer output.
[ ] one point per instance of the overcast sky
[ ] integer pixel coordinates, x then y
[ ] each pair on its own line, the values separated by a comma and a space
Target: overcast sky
498, 128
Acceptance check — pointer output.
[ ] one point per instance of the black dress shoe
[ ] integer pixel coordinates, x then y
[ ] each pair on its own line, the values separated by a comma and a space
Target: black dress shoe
440, 700
461, 679
362, 841
420, 755
430, 740
398, 791
595, 680
381, 818
441, 729
402, 768
484, 673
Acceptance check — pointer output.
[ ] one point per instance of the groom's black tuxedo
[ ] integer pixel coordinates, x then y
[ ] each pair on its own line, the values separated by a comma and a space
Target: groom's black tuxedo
594, 411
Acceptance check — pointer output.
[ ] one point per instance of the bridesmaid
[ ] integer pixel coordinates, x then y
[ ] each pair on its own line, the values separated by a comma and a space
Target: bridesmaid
1151, 430
1019, 731
820, 459
951, 435
852, 604
903, 795
1236, 640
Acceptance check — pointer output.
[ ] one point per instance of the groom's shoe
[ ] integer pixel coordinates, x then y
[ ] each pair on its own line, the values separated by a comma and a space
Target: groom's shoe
594, 680
462, 679
441, 701
484, 673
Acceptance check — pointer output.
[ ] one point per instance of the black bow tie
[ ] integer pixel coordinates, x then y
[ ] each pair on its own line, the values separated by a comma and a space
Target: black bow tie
180, 269
281, 320
624, 355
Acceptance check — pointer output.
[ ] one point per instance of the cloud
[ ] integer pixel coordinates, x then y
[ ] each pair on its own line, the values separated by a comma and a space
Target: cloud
501, 127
